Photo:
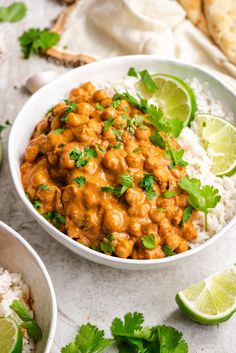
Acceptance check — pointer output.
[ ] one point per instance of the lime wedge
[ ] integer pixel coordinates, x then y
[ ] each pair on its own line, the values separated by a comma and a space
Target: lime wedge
212, 300
10, 336
218, 136
173, 96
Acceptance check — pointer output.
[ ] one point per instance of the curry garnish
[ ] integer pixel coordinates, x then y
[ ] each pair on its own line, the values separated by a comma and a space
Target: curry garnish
81, 180
82, 158
149, 241
146, 184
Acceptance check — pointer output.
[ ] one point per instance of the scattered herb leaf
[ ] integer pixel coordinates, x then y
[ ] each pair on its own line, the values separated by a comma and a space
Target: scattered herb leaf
132, 72
187, 213
149, 241
146, 184
147, 81
168, 194
13, 13
168, 250
81, 180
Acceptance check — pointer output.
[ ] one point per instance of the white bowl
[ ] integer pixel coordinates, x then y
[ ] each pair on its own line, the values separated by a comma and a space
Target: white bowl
99, 73
16, 255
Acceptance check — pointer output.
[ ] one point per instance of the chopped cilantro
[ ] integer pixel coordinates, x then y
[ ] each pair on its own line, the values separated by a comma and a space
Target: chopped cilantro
140, 103
71, 107
161, 209
106, 246
138, 149
147, 81
132, 72
157, 140
55, 217
58, 131
100, 148
168, 250
176, 156
187, 213
115, 104
60, 145
81, 180
82, 158
43, 187
146, 184
99, 106
108, 123
126, 181
149, 241
108, 188
37, 204
168, 194
118, 134
117, 146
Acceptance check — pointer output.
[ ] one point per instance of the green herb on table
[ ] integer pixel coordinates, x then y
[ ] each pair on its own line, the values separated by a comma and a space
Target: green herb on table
202, 198
88, 340
82, 158
108, 123
146, 184
71, 107
29, 323
168, 250
130, 336
126, 181
168, 194
56, 218
149, 241
35, 40
81, 180
13, 13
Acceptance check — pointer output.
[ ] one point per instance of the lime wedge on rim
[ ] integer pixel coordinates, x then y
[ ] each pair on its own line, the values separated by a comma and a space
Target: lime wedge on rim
173, 96
219, 137
10, 336
212, 300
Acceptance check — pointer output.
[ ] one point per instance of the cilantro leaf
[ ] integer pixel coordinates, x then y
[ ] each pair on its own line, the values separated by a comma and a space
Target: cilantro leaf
108, 123
138, 149
81, 180
149, 241
147, 81
168, 250
88, 340
127, 180
58, 131
168, 194
13, 13
34, 40
99, 106
118, 134
176, 156
132, 72
37, 204
43, 187
108, 188
146, 184
131, 323
157, 140
116, 146
29, 323
200, 198
187, 213
171, 340
106, 245
71, 107
141, 104
82, 158
171, 127
56, 218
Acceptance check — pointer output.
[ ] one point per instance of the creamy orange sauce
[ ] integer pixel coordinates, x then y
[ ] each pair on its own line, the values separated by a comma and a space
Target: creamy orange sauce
85, 212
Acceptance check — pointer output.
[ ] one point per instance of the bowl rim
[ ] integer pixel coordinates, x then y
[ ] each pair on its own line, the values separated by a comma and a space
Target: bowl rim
52, 330
61, 237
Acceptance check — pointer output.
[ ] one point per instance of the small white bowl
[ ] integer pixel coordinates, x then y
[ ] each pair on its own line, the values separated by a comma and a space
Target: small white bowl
99, 73
16, 255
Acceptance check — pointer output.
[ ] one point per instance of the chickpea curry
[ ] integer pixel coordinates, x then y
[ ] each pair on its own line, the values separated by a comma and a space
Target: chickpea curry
100, 171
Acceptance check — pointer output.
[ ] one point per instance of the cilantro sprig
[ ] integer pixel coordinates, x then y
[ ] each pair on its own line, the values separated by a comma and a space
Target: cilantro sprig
146, 184
129, 335
33, 329
202, 198
176, 157
145, 77
56, 218
35, 40
71, 107
126, 181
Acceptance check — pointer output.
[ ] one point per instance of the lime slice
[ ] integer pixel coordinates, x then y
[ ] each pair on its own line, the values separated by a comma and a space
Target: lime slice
219, 137
10, 336
173, 96
212, 300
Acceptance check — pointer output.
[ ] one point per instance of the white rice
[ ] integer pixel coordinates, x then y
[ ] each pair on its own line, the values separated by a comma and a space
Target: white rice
198, 158
13, 287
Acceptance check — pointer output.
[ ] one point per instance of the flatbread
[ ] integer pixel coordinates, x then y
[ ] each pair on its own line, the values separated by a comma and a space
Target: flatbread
221, 19
194, 11
63, 57
68, 2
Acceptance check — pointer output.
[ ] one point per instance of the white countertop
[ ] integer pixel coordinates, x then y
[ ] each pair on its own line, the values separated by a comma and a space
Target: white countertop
87, 291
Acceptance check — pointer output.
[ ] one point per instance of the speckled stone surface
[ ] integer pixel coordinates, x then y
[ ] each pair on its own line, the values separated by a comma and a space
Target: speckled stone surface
86, 291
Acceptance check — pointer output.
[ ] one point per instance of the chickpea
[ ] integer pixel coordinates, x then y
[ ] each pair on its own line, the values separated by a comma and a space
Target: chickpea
109, 113
31, 153
135, 227
134, 160
115, 160
39, 178
78, 92
92, 221
89, 87
75, 120
106, 102
142, 133
156, 253
85, 134
99, 95
134, 196
173, 240
66, 162
85, 108
156, 216
95, 126
189, 232
182, 200
124, 106
124, 247
119, 123
114, 220
141, 211
52, 158
182, 247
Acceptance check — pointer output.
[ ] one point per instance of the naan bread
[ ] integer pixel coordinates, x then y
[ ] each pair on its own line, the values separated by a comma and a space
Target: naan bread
221, 19
63, 57
194, 11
